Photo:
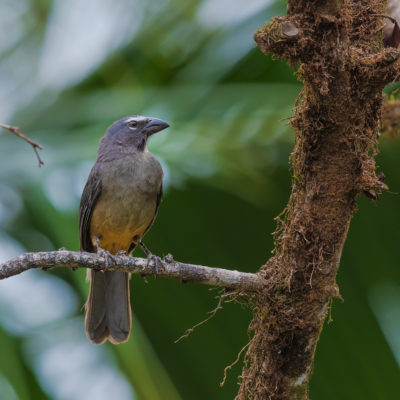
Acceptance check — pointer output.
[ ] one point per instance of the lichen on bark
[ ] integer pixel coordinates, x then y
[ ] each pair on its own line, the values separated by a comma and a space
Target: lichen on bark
344, 67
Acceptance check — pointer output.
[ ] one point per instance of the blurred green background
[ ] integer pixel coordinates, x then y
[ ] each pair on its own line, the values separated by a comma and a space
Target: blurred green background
68, 69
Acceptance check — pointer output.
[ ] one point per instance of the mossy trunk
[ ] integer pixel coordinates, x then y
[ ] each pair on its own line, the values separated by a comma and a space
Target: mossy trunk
344, 68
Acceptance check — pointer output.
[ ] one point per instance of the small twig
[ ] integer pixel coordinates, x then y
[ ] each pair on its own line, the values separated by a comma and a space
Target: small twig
222, 383
15, 130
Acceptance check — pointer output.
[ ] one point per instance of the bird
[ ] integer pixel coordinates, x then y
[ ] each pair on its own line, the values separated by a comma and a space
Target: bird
118, 206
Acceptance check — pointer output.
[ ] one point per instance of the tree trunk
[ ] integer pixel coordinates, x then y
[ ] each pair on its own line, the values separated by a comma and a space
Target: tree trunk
344, 68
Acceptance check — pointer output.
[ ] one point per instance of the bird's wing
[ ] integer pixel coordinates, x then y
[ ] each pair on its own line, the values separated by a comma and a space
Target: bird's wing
90, 195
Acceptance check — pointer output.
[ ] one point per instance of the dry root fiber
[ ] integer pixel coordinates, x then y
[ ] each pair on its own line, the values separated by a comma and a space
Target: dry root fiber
338, 46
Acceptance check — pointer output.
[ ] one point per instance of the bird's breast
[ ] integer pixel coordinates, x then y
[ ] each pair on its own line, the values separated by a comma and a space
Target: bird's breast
128, 200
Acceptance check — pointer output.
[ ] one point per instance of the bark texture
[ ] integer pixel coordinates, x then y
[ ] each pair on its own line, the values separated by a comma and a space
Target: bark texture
241, 281
339, 47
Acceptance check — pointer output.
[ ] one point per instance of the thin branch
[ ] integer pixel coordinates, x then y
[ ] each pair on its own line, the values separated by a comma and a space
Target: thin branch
15, 130
169, 268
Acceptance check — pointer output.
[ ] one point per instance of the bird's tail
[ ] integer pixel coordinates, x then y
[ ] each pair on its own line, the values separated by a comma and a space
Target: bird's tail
108, 309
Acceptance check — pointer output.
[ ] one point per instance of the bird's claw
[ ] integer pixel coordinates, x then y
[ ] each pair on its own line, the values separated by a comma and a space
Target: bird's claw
108, 257
151, 257
121, 253
156, 262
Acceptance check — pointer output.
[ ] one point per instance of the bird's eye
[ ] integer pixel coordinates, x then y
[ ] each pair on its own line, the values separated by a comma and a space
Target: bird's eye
132, 124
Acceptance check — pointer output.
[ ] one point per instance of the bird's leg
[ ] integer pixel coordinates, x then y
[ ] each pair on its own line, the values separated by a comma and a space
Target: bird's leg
151, 257
103, 253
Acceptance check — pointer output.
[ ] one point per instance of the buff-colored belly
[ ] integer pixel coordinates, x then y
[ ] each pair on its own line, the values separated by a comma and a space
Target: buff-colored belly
117, 227
126, 207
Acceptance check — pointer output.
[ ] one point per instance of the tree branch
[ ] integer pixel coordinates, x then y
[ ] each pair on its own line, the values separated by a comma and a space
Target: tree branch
170, 268
15, 130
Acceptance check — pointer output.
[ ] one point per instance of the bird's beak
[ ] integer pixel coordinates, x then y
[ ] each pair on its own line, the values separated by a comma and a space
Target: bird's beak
155, 125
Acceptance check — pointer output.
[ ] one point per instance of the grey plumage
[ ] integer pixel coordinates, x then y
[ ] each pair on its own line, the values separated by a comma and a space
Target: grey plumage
108, 312
118, 206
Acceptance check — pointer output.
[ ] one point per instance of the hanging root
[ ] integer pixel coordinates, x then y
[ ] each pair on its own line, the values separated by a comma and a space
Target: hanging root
225, 296
222, 383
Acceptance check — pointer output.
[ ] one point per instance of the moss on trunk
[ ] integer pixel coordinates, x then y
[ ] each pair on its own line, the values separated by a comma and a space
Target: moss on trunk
344, 67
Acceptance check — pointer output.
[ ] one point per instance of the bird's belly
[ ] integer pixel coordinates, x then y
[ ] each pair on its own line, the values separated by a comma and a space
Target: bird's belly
122, 213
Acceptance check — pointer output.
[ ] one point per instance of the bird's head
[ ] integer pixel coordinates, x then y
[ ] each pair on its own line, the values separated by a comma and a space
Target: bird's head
134, 131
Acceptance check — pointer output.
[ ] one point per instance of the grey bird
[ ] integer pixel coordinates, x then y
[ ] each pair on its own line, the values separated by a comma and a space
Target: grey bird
118, 206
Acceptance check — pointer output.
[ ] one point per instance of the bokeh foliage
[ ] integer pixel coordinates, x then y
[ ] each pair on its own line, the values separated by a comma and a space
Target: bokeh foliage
70, 68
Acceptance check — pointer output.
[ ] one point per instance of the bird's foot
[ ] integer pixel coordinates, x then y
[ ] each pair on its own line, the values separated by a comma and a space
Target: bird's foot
152, 258
109, 259
121, 253
156, 262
